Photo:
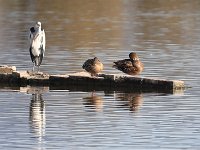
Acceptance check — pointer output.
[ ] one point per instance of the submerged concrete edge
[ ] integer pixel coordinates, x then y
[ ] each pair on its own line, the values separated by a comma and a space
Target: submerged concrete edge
83, 81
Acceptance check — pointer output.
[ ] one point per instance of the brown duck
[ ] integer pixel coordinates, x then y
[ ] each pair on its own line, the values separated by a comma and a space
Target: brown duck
132, 66
93, 66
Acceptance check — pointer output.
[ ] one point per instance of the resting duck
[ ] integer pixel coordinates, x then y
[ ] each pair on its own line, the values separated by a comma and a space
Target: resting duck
132, 66
93, 66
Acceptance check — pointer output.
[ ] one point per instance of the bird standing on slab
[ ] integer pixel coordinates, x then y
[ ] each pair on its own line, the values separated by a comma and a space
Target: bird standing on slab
132, 66
93, 66
37, 44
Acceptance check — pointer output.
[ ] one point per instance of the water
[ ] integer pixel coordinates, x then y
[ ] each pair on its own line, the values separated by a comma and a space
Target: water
166, 36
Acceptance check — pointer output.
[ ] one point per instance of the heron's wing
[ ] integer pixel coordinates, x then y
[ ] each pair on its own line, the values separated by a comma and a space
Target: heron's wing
42, 46
40, 59
31, 36
43, 40
31, 54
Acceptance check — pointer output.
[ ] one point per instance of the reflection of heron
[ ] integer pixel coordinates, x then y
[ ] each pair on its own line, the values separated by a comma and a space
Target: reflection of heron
37, 44
94, 101
37, 115
132, 100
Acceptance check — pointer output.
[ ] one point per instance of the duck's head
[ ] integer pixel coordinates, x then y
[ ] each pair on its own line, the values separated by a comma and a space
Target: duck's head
133, 56
96, 59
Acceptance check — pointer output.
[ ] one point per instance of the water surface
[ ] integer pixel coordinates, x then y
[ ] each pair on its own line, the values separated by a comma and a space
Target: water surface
166, 36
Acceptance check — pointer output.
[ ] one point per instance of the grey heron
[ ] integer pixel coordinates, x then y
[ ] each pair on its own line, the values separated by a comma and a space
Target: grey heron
37, 44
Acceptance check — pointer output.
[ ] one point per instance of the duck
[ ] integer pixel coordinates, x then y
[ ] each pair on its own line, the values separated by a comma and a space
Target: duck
93, 66
132, 66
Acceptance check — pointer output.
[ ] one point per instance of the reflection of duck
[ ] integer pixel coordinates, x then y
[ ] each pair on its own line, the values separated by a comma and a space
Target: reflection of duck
133, 100
132, 66
93, 66
95, 101
37, 115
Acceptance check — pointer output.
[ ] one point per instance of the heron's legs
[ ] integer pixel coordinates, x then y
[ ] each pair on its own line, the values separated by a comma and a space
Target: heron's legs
33, 67
38, 70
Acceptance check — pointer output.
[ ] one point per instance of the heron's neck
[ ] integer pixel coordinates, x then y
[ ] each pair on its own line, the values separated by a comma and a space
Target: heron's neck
37, 29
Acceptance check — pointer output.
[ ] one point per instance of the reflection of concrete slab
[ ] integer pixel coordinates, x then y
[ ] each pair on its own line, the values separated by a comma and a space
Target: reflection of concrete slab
83, 81
34, 89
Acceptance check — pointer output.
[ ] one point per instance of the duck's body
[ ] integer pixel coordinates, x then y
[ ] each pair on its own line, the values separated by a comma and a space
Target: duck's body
37, 44
132, 66
93, 66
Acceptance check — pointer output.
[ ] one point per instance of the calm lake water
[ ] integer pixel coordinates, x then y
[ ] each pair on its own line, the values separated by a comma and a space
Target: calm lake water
166, 36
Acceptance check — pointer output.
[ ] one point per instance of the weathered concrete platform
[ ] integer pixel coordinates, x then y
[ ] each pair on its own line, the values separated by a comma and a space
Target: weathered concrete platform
84, 82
